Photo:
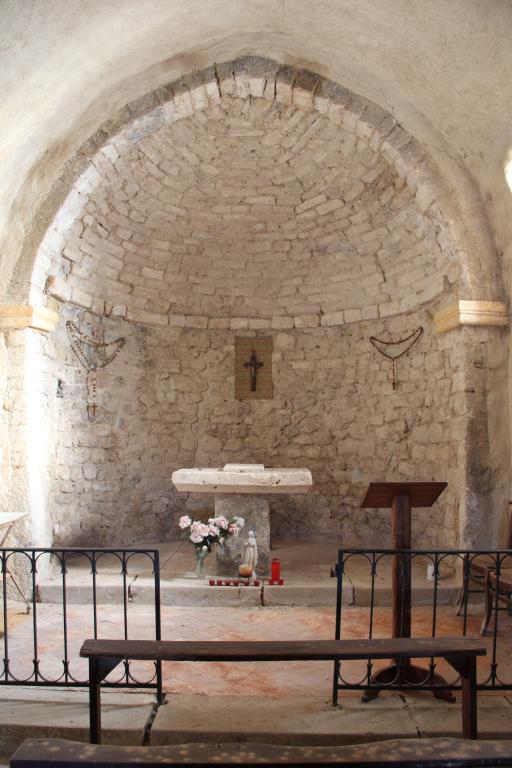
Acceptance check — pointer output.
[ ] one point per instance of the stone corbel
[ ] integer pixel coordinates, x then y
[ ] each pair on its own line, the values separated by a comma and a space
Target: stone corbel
15, 317
486, 313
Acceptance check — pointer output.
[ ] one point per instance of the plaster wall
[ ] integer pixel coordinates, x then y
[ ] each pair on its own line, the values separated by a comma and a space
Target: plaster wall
5, 453
29, 439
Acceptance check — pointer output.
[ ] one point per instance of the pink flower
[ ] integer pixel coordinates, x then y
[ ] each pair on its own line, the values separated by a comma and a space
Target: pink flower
199, 528
213, 530
220, 522
196, 537
185, 522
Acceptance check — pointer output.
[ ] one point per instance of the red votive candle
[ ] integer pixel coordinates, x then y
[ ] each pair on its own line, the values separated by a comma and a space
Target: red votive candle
276, 569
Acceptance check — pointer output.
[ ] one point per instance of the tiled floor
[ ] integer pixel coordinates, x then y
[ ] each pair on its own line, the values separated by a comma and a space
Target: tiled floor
260, 623
302, 566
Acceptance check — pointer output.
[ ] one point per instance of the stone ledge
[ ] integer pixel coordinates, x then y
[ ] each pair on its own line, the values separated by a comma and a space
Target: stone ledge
486, 313
51, 712
309, 719
20, 316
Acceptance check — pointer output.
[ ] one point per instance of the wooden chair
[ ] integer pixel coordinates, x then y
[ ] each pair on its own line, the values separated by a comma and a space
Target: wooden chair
496, 590
477, 574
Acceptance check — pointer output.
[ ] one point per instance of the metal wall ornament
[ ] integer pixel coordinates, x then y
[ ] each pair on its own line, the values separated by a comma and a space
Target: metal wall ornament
388, 345
94, 354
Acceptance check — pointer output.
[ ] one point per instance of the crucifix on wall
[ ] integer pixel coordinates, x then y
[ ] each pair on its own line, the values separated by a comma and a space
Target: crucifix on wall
253, 368
253, 364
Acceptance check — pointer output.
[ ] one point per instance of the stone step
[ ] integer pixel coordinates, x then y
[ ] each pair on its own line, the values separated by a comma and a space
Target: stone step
194, 592
132, 718
55, 712
309, 720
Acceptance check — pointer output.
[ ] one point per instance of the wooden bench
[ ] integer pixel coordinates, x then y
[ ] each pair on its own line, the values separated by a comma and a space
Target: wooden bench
460, 652
402, 753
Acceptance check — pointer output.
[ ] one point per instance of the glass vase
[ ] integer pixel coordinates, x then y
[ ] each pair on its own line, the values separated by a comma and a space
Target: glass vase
200, 558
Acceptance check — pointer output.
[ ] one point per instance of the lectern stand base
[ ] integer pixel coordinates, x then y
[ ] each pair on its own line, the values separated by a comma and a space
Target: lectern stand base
410, 675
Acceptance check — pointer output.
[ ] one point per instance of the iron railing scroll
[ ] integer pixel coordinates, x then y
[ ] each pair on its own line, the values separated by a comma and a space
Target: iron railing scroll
97, 605
454, 592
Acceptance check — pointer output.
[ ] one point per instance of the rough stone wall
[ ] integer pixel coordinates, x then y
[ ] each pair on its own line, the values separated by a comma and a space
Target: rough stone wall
258, 198
167, 401
483, 362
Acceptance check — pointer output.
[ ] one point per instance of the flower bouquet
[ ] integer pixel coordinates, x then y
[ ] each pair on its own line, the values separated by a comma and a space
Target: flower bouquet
204, 535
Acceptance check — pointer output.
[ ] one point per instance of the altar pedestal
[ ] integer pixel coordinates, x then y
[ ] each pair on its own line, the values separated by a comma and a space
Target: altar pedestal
241, 490
256, 512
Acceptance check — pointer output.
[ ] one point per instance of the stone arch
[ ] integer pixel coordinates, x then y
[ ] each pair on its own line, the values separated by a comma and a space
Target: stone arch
464, 239
441, 241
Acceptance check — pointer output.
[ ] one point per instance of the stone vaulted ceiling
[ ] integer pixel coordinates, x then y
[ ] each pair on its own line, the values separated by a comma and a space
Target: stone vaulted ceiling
250, 209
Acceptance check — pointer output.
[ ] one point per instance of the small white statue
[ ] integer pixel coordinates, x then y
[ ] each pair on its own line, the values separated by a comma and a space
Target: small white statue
250, 556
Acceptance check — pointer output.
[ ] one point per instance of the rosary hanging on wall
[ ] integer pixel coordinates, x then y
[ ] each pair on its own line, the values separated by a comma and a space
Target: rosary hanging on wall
94, 354
385, 347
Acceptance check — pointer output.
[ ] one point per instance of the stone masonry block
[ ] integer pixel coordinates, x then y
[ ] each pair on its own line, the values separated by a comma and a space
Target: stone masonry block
353, 315
332, 318
306, 321
304, 88
284, 84
282, 321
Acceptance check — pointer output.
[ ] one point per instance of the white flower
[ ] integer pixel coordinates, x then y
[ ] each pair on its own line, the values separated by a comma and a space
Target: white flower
233, 529
205, 548
240, 522
185, 522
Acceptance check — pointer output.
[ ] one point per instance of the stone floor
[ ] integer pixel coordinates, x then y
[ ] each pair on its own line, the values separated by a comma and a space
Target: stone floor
286, 702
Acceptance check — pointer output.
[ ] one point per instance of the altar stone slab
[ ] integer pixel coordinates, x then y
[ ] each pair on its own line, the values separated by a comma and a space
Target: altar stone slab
240, 490
260, 481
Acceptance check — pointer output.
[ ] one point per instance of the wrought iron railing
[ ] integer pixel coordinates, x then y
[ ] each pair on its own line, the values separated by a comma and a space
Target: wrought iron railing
37, 651
454, 592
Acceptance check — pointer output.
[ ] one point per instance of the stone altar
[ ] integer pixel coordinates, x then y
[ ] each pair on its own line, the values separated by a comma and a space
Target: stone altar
241, 489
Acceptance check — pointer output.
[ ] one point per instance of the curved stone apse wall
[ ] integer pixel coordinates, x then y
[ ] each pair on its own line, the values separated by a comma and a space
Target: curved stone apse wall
253, 199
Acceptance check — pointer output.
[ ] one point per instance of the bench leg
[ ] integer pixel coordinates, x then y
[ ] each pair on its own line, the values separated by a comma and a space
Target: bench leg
99, 668
95, 679
469, 703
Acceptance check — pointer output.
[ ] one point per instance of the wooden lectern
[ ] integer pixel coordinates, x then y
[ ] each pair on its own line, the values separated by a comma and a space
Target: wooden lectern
401, 498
